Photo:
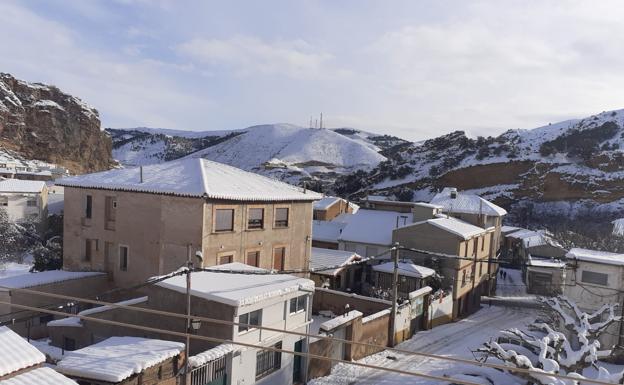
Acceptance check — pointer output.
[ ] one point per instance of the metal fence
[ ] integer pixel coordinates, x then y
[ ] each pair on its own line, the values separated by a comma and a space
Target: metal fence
211, 373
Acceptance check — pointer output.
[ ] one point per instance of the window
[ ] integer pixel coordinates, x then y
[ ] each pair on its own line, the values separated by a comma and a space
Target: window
475, 244
253, 258
69, 343
256, 219
89, 207
463, 280
31, 202
298, 304
224, 220
90, 246
281, 217
111, 209
223, 259
480, 269
123, 258
595, 278
268, 361
252, 319
4, 201
483, 243
279, 257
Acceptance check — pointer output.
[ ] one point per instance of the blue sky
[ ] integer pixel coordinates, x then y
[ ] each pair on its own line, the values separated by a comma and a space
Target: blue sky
414, 69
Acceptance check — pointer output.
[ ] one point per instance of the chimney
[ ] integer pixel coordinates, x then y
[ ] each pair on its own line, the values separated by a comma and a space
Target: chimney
140, 174
453, 193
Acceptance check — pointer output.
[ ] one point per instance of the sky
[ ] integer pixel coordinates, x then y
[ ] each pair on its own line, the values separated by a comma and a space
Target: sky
414, 69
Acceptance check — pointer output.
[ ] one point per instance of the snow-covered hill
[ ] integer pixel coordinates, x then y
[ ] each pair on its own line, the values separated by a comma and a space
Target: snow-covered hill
569, 169
284, 151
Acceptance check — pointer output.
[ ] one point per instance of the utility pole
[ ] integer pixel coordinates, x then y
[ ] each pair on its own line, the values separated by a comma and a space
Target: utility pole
189, 266
395, 293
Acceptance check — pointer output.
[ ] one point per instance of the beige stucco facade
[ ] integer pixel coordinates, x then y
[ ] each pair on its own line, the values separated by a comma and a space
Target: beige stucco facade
157, 231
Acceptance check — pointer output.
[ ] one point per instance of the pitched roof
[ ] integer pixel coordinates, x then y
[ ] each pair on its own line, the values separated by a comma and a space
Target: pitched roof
372, 226
326, 257
596, 256
193, 177
21, 186
39, 376
466, 203
406, 269
237, 289
458, 227
326, 203
16, 353
327, 231
117, 358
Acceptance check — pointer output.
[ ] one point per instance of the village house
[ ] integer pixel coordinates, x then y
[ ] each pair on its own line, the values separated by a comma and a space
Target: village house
141, 222
329, 208
479, 212
595, 278
233, 292
24, 200
125, 361
379, 202
344, 274
464, 266
22, 364
411, 278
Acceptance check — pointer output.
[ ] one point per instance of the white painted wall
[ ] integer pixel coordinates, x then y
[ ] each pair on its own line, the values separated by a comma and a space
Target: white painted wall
275, 314
17, 206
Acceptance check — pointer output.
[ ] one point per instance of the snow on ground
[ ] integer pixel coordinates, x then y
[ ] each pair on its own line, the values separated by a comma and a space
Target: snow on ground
511, 285
11, 269
454, 339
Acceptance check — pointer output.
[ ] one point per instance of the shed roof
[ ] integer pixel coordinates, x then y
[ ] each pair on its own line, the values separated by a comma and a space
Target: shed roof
42, 278
596, 256
39, 376
326, 257
16, 353
193, 177
405, 268
327, 231
117, 358
372, 226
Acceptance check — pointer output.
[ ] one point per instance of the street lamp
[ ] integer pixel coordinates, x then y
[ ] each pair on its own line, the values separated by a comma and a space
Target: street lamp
195, 324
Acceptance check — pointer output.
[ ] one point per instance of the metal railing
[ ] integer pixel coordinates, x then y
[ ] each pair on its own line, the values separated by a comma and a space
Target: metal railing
209, 372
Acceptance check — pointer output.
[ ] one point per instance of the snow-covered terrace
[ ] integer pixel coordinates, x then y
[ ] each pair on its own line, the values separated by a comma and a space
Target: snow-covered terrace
22, 281
238, 289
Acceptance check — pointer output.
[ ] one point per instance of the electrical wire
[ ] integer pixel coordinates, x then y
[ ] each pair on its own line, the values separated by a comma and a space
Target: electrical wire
218, 321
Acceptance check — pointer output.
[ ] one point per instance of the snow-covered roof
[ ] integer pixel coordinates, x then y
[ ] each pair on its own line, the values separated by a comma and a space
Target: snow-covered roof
328, 231
340, 320
193, 177
428, 205
16, 353
455, 226
327, 257
212, 354
76, 321
372, 226
238, 289
21, 186
43, 278
326, 203
466, 203
509, 229
39, 376
532, 238
117, 358
543, 262
596, 256
405, 268
377, 198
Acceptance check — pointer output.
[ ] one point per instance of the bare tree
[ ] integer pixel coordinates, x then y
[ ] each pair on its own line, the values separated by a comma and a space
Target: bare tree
568, 351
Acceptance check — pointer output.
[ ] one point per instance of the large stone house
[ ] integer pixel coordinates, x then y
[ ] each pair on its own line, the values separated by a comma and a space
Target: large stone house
140, 222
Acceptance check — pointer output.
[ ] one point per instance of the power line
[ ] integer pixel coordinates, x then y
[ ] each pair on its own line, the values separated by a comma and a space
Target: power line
249, 345
218, 321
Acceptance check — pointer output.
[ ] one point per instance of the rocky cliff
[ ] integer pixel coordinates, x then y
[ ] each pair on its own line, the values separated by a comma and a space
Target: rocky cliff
41, 122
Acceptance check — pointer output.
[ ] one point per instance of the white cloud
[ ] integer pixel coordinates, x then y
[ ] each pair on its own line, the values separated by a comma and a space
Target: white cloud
249, 55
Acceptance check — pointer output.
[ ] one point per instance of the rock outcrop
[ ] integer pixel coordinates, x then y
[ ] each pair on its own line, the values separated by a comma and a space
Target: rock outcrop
41, 122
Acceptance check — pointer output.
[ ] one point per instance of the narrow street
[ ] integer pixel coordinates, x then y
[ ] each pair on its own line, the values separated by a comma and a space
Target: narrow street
455, 339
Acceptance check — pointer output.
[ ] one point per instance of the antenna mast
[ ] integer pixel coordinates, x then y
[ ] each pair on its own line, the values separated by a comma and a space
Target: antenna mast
321, 126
